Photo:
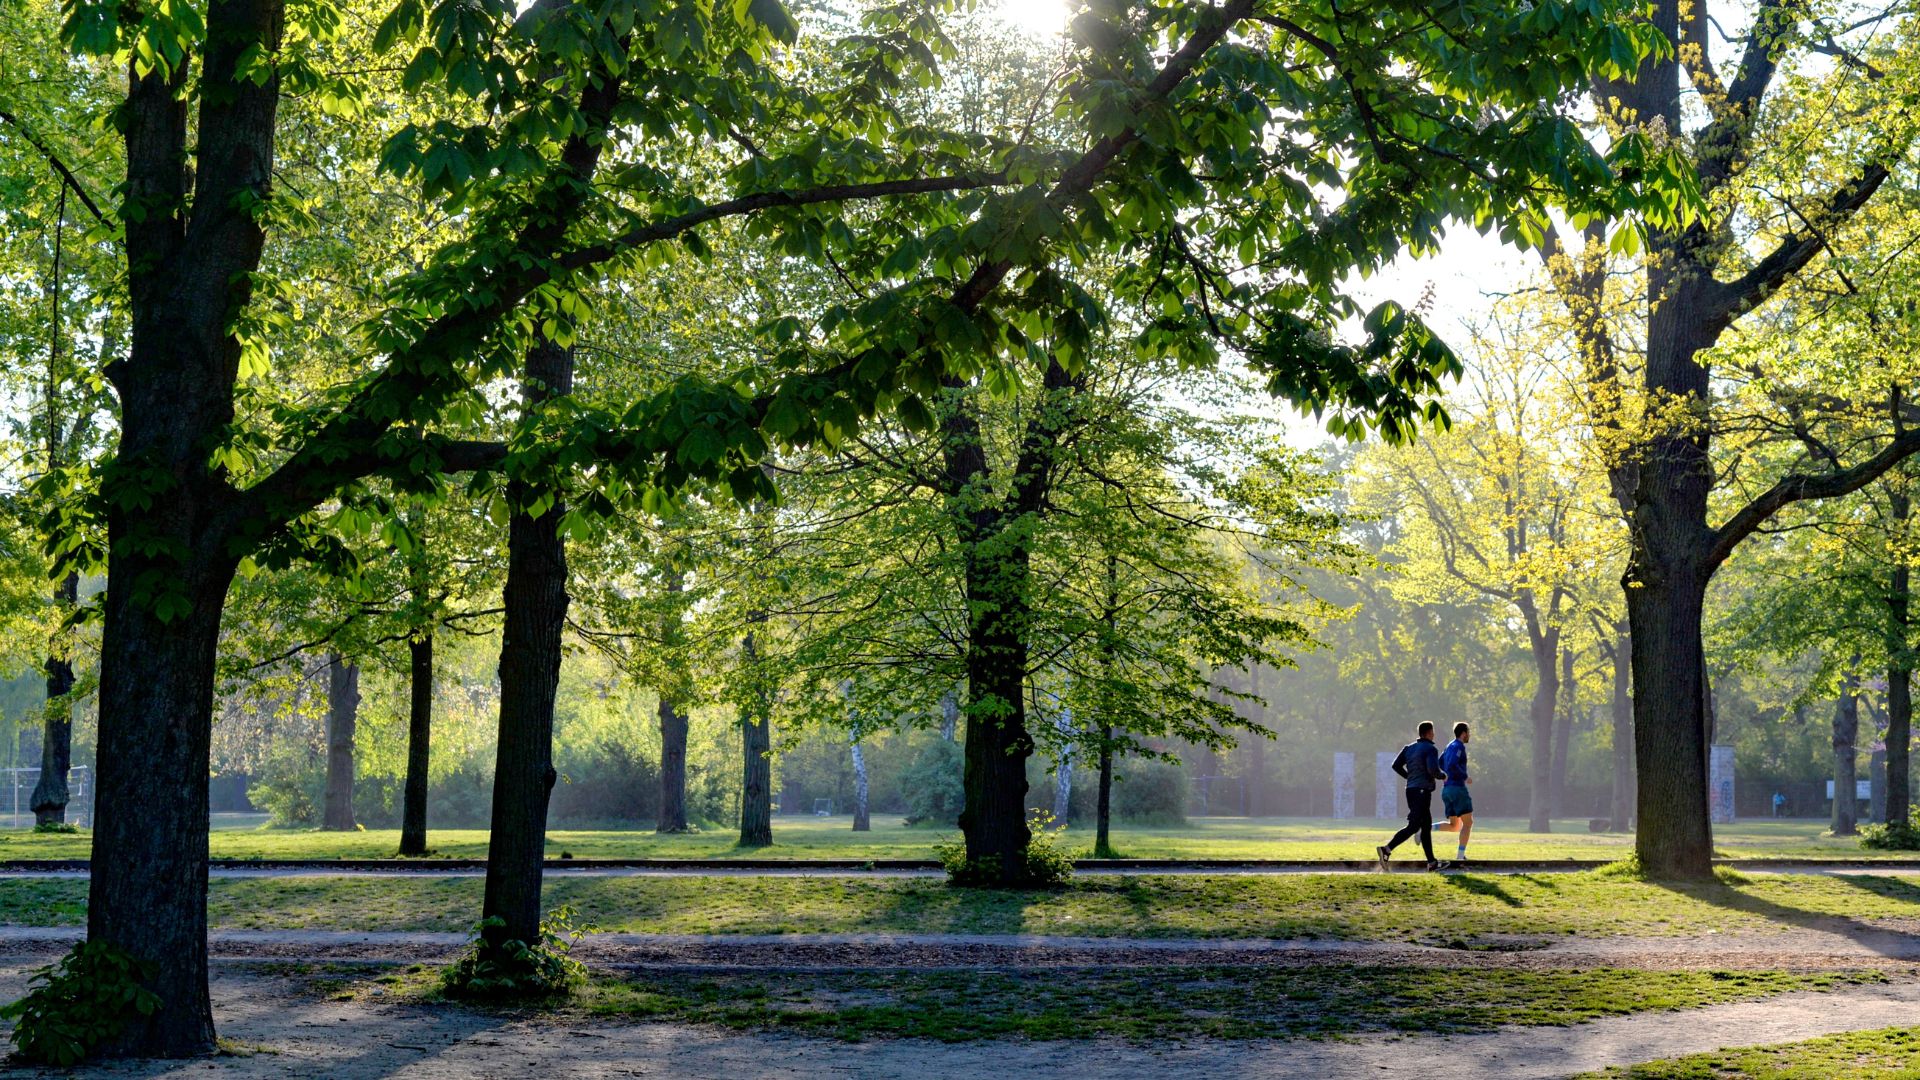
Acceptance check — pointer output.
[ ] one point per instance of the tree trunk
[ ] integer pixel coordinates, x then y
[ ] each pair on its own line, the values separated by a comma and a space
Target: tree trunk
1546, 692
1623, 773
1103, 805
1674, 838
343, 715
860, 821
1877, 786
994, 818
673, 768
1563, 731
535, 603
1063, 769
1846, 731
147, 893
413, 809
673, 731
1899, 670
56, 733
756, 751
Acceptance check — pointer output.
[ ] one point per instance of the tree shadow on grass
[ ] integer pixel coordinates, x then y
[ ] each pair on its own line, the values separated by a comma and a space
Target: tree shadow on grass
1887, 942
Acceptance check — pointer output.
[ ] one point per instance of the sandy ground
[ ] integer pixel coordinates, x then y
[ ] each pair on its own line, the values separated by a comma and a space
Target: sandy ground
288, 1034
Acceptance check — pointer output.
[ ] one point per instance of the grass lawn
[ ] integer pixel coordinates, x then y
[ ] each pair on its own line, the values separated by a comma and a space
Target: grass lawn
1141, 1003
810, 837
1888, 1054
1363, 906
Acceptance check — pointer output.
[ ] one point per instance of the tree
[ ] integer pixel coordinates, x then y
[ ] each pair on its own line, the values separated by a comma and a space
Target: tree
1775, 203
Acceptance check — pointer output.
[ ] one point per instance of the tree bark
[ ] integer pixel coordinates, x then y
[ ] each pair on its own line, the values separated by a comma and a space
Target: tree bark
860, 820
56, 734
1103, 804
1877, 786
1846, 732
1546, 692
1623, 771
1673, 838
673, 768
756, 751
535, 603
1899, 669
343, 714
1563, 731
413, 810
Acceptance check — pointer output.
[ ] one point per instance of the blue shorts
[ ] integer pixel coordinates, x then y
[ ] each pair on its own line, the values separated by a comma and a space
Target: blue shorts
1456, 800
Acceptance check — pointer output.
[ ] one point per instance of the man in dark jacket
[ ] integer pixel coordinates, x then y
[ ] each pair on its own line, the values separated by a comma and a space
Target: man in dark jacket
1419, 762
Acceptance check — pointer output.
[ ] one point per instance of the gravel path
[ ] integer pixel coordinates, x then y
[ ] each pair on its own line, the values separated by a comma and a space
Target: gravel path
292, 1035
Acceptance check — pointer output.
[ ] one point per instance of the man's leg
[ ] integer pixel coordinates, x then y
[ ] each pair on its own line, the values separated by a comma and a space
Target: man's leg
1465, 822
1425, 813
1412, 826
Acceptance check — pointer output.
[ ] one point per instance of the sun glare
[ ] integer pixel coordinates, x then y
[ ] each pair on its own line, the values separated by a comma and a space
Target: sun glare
1036, 18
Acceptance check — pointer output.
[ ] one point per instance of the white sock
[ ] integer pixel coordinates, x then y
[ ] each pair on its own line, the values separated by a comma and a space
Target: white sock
1462, 853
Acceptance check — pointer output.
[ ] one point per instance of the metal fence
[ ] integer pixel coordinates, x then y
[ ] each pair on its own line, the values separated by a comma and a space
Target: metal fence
16, 803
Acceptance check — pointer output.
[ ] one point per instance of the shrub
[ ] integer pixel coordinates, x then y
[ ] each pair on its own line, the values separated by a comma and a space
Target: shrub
1047, 861
1894, 835
56, 827
931, 787
75, 1005
517, 970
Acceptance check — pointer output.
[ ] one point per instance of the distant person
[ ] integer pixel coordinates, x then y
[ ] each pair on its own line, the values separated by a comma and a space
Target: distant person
1779, 804
1454, 798
1419, 762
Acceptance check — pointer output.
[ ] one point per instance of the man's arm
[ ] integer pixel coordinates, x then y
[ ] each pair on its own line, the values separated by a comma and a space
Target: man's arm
1400, 763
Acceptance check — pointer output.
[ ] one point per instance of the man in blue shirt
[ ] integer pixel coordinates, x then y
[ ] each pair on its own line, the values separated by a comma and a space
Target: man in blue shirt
1419, 762
1453, 794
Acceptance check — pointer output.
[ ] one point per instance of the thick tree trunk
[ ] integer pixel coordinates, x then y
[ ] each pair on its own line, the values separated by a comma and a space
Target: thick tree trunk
1674, 838
673, 768
1546, 692
1623, 772
535, 603
343, 715
56, 733
860, 821
1846, 732
147, 893
994, 818
756, 752
413, 809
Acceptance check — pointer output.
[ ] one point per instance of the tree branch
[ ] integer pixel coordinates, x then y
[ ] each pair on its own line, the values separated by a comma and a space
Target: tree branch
1799, 487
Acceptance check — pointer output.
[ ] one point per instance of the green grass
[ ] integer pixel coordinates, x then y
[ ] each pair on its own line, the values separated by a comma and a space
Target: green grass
1361, 906
809, 837
1161, 1002
1887, 1054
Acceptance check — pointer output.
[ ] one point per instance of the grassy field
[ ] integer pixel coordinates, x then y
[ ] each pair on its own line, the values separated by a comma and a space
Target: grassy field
1150, 1003
808, 837
1888, 1054
1362, 906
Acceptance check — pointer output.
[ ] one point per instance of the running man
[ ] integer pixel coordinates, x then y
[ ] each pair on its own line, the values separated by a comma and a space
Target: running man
1419, 762
1454, 798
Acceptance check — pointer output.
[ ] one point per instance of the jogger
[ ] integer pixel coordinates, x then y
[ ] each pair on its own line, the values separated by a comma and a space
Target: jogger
1419, 762
1454, 797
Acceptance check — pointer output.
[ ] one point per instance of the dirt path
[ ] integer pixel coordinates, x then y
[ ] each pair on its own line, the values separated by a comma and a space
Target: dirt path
1882, 946
294, 1035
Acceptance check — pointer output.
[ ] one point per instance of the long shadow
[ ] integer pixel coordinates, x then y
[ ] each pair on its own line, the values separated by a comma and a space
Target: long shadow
1894, 944
1484, 886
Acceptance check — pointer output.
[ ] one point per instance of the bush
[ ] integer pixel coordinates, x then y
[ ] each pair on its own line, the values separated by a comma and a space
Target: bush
56, 827
931, 787
1894, 835
517, 970
1047, 862
75, 1005
1150, 792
